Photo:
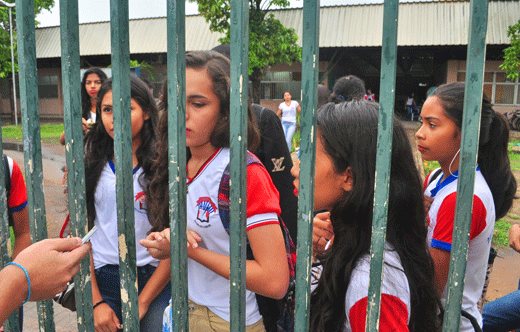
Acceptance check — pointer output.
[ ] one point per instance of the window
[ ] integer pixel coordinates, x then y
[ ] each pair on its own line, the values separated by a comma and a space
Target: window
48, 86
496, 85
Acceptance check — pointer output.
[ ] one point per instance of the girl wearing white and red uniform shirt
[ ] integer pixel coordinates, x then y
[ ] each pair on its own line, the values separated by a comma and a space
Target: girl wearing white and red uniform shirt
344, 184
207, 139
439, 139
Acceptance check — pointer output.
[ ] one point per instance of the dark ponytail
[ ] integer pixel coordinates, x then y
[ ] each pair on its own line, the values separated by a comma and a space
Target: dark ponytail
493, 158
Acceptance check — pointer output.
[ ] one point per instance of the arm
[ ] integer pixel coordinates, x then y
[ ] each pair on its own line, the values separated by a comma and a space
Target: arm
22, 236
441, 262
267, 274
279, 112
62, 138
105, 318
299, 108
50, 263
514, 237
154, 286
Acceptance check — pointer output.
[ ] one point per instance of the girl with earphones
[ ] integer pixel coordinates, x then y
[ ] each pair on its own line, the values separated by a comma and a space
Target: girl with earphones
439, 139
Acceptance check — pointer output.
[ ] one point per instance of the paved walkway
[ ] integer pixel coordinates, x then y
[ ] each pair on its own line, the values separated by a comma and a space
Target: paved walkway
53, 160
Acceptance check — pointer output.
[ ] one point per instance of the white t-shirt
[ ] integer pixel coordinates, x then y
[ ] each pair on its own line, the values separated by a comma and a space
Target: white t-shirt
440, 220
205, 287
289, 112
409, 101
105, 244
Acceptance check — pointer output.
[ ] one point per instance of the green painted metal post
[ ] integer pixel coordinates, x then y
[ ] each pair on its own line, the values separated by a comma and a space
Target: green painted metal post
383, 162
70, 68
476, 58
12, 323
238, 145
310, 67
31, 137
119, 28
177, 161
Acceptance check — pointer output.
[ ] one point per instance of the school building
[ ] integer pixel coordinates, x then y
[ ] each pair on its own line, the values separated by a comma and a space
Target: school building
432, 46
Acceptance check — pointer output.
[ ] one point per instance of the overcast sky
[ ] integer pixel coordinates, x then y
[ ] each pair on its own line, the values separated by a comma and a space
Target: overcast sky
99, 10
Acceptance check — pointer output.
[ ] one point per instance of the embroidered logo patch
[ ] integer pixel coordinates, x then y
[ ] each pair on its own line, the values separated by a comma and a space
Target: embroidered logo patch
278, 164
140, 202
205, 207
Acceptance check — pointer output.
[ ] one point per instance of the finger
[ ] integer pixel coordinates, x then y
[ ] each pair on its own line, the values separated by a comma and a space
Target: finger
195, 236
76, 255
67, 244
117, 324
150, 244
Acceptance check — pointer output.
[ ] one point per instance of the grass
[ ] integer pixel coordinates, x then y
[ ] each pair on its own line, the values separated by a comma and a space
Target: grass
48, 132
501, 233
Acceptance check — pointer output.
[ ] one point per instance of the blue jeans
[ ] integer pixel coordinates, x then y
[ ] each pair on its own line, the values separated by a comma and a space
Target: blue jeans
503, 314
288, 130
108, 283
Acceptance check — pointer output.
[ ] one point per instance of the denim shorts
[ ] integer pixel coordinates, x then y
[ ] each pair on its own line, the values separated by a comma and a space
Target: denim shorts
107, 278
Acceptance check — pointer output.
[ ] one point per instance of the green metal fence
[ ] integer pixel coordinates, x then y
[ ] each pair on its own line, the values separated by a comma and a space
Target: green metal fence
177, 157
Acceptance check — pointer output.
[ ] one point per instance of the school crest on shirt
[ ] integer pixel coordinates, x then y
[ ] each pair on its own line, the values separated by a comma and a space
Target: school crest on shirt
140, 202
205, 207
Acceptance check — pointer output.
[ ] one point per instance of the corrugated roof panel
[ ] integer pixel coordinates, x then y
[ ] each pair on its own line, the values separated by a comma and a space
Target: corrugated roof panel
420, 24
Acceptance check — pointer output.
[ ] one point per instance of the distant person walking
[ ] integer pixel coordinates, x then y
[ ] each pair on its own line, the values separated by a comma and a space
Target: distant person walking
287, 111
410, 105
370, 96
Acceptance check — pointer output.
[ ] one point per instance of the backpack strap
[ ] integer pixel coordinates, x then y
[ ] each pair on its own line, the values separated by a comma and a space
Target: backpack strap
434, 176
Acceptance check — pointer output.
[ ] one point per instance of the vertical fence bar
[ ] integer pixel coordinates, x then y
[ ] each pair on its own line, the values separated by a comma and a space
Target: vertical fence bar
12, 323
310, 67
239, 33
70, 68
383, 162
476, 58
177, 161
119, 29
31, 138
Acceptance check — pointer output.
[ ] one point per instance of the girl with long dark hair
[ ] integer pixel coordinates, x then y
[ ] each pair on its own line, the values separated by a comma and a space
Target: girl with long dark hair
344, 184
207, 140
152, 276
439, 139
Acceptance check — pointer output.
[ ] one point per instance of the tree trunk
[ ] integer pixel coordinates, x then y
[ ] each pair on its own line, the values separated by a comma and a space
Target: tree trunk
256, 80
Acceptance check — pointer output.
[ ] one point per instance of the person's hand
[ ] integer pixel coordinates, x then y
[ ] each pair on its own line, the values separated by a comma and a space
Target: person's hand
85, 124
105, 319
51, 264
158, 244
427, 203
322, 231
514, 237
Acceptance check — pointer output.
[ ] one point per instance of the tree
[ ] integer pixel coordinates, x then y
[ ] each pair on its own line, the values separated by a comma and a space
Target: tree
269, 41
5, 44
512, 54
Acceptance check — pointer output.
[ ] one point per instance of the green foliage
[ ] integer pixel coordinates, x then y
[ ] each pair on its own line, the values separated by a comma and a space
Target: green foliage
269, 41
429, 166
512, 54
5, 44
144, 66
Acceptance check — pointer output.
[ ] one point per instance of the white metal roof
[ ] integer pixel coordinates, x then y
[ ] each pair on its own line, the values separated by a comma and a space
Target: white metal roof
420, 24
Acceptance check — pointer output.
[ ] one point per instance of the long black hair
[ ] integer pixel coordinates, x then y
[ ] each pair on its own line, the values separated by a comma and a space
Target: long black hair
86, 103
99, 146
493, 158
218, 69
348, 133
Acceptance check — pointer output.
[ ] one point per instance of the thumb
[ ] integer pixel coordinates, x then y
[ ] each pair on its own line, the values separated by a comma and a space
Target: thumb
67, 244
77, 254
116, 321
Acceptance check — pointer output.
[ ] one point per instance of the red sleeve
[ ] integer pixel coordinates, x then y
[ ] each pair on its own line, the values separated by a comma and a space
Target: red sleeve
18, 195
394, 315
443, 232
426, 181
262, 196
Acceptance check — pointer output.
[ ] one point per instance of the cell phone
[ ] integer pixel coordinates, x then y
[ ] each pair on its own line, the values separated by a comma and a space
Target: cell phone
87, 237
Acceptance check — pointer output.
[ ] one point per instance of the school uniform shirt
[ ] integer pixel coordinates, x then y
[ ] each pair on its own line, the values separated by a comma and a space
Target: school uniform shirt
289, 112
395, 294
440, 220
18, 194
205, 287
105, 242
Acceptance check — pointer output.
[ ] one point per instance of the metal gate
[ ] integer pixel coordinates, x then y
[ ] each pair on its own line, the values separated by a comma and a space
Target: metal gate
70, 61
